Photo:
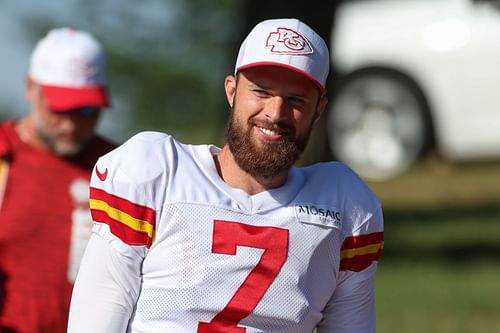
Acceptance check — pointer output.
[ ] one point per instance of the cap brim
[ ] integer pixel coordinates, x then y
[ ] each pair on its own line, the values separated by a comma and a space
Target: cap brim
321, 87
61, 99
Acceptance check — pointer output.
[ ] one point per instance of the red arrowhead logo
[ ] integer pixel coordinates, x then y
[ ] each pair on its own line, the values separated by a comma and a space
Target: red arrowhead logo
101, 175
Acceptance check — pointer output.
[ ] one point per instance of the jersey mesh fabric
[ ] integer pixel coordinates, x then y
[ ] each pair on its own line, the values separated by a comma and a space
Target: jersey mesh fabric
182, 278
188, 280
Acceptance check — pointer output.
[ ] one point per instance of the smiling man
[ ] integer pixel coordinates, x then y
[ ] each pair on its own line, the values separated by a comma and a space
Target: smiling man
196, 238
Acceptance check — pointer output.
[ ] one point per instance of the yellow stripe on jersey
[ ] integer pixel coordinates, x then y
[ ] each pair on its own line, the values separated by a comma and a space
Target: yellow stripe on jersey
4, 172
118, 215
359, 252
373, 248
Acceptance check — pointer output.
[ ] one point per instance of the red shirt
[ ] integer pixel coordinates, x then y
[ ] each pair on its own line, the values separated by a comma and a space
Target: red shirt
44, 225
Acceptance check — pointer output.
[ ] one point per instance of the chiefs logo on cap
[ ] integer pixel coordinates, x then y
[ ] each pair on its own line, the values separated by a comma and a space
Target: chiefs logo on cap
82, 69
288, 41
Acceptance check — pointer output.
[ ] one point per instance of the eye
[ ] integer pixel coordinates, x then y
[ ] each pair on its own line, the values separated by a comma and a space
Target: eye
296, 100
261, 92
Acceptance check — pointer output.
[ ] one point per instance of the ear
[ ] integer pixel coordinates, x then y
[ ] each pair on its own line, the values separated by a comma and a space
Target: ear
230, 87
323, 101
31, 90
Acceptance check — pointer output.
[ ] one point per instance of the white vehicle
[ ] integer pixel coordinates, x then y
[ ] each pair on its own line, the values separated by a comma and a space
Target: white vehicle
414, 75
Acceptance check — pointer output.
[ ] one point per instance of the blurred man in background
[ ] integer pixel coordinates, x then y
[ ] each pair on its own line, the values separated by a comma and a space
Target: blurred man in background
196, 238
45, 163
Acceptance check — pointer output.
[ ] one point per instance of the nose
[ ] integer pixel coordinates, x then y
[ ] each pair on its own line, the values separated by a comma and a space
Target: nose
276, 108
68, 122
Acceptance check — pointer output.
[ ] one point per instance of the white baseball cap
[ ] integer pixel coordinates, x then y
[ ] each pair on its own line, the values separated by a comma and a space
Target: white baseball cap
287, 43
69, 65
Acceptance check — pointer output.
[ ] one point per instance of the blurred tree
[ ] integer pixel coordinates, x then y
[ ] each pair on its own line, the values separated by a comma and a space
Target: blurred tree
166, 61
317, 14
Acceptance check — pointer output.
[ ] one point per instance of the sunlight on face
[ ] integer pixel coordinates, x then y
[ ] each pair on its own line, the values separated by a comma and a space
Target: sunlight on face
271, 119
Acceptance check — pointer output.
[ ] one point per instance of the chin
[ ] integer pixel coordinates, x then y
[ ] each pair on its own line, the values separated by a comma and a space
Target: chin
68, 149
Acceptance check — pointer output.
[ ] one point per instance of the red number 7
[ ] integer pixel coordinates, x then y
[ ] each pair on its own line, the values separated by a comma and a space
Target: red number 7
227, 236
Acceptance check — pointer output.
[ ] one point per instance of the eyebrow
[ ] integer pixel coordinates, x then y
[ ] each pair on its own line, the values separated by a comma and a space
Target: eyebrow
253, 85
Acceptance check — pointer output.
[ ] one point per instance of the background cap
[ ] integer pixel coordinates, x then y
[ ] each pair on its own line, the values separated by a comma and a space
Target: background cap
69, 65
287, 43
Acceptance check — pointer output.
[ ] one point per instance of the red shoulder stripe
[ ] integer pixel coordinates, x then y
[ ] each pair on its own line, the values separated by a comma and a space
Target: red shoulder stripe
134, 224
358, 252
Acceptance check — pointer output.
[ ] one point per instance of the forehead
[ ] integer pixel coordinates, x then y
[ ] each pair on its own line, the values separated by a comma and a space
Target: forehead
278, 78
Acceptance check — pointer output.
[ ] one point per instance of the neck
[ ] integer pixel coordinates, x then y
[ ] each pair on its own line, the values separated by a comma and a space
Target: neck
234, 176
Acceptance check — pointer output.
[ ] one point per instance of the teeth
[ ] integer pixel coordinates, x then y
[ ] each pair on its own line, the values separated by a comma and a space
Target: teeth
269, 132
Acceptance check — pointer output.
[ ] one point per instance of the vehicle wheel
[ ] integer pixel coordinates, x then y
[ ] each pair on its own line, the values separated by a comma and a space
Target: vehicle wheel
378, 124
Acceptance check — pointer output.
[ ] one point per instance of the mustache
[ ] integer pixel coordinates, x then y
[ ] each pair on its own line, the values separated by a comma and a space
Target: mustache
282, 127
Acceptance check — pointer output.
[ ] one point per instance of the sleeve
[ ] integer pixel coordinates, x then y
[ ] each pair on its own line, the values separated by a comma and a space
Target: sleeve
125, 200
351, 308
106, 288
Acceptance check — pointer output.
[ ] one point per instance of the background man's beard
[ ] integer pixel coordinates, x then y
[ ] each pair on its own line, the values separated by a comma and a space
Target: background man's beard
60, 148
268, 160
64, 149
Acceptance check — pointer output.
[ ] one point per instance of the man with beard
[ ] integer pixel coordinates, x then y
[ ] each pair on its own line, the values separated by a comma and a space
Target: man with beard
194, 238
46, 159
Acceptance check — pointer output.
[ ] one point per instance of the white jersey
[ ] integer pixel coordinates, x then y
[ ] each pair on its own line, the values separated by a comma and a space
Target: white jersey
176, 249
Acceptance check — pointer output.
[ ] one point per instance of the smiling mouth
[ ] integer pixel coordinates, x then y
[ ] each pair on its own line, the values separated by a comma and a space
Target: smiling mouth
274, 134
271, 132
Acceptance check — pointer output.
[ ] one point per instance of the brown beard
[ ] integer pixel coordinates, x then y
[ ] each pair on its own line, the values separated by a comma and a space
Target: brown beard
270, 159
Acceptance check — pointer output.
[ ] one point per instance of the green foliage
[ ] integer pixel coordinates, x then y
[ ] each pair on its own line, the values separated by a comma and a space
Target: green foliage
167, 60
433, 298
440, 267
169, 98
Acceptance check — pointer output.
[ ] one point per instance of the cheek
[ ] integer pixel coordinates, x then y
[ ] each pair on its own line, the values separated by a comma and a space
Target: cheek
303, 120
246, 104
92, 124
46, 119
245, 111
302, 117
86, 124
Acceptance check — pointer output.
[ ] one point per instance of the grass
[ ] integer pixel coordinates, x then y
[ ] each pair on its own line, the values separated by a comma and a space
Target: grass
438, 184
441, 262
438, 298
